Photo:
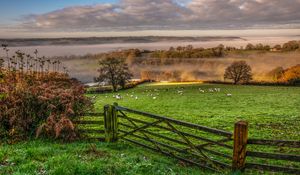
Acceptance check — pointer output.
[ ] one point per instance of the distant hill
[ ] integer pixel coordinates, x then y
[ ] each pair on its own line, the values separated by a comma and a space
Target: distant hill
107, 40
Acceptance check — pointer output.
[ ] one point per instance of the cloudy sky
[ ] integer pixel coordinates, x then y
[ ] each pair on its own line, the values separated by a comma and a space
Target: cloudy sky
55, 18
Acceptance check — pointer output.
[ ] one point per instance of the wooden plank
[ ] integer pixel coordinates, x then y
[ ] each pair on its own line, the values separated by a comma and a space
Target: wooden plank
178, 122
101, 139
179, 142
92, 131
284, 143
173, 148
240, 143
289, 157
93, 114
89, 122
184, 133
171, 155
272, 168
141, 128
111, 123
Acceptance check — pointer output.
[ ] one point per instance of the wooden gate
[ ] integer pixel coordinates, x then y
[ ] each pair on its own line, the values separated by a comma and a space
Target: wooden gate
209, 148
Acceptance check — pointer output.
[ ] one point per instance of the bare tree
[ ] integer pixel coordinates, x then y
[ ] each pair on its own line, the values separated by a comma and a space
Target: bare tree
239, 72
114, 71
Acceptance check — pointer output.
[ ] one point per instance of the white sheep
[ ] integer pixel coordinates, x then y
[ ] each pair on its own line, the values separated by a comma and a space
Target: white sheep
118, 97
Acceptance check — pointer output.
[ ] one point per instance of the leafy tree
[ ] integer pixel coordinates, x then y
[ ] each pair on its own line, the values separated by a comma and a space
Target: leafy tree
276, 73
292, 75
277, 47
238, 71
291, 46
114, 71
250, 47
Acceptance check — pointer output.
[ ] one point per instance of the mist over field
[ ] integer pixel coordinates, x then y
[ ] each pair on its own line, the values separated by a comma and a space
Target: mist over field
207, 68
193, 69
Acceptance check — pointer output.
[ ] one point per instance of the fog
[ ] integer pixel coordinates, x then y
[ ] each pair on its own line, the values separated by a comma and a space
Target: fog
197, 69
203, 69
100, 48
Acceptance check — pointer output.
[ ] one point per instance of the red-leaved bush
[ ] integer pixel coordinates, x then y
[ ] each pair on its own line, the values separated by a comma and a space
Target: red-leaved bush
40, 104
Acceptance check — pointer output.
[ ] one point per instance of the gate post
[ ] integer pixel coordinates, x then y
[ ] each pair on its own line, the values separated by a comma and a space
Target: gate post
111, 123
240, 143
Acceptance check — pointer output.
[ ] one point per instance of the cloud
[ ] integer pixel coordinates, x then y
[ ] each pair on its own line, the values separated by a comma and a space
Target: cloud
167, 14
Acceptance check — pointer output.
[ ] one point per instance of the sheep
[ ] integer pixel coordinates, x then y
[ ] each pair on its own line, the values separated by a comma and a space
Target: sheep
228, 95
217, 89
118, 97
154, 98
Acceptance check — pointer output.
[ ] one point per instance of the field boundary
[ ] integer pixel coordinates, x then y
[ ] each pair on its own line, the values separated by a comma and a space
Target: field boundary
209, 148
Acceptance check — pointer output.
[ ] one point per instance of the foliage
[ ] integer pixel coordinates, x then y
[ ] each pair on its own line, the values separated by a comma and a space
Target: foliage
34, 101
239, 72
189, 52
114, 71
257, 47
291, 46
276, 73
292, 75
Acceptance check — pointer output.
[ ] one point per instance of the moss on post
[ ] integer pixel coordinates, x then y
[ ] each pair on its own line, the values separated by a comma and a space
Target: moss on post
111, 123
240, 143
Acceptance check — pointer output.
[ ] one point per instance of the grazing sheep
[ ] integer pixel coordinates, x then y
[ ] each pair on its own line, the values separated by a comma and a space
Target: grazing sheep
154, 98
118, 97
228, 95
136, 97
217, 89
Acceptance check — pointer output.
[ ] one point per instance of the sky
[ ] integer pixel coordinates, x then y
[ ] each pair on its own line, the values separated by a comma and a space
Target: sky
60, 18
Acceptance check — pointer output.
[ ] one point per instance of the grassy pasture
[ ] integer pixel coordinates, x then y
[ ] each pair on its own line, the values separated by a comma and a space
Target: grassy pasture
272, 113
42, 157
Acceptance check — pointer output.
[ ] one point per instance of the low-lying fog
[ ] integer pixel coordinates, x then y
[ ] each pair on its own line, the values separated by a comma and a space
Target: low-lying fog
210, 68
85, 69
100, 48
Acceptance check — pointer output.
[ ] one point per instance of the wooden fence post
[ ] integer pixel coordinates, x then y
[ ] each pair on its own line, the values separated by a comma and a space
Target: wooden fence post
240, 144
111, 123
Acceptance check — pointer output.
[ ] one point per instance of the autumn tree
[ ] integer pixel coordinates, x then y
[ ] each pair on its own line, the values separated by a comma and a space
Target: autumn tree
113, 71
239, 72
276, 73
292, 75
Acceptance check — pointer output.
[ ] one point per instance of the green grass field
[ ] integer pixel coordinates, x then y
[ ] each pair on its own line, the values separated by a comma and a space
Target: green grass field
82, 158
272, 113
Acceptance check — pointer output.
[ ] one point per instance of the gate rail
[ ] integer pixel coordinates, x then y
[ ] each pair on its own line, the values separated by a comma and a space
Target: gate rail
213, 149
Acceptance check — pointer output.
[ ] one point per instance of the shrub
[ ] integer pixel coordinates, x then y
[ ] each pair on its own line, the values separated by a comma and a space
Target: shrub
43, 105
292, 75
